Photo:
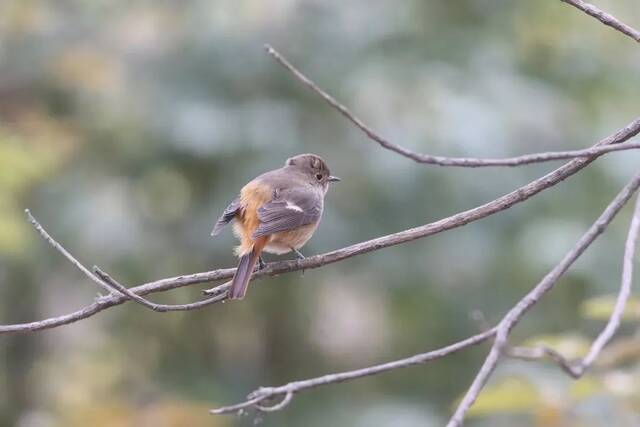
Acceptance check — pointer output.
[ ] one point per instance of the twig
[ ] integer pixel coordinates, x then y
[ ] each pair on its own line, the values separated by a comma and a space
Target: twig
547, 283
277, 407
273, 269
536, 353
254, 401
299, 386
232, 409
605, 18
57, 246
470, 162
111, 282
542, 352
625, 292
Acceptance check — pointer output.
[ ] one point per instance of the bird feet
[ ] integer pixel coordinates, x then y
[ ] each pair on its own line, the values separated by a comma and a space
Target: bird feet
298, 253
261, 263
299, 256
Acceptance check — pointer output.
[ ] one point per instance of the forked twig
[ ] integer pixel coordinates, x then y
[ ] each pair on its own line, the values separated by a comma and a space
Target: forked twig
533, 297
469, 162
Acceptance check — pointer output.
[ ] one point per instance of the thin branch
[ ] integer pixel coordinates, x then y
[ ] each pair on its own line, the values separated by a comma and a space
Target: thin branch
277, 407
542, 352
233, 409
533, 297
299, 386
57, 246
255, 401
623, 296
112, 283
605, 18
273, 269
578, 368
470, 162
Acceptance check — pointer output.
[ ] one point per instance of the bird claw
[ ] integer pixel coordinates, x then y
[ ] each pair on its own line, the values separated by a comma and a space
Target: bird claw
298, 253
299, 256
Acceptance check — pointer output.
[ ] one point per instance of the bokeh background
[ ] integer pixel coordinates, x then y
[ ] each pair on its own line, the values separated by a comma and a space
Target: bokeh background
127, 127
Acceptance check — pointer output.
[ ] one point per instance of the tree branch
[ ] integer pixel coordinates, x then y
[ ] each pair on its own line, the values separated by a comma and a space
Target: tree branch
470, 162
298, 386
273, 269
623, 296
57, 246
605, 18
576, 369
505, 325
257, 399
533, 297
541, 352
162, 308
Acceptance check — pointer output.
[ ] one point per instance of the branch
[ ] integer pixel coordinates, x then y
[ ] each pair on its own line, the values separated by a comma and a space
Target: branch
533, 297
623, 296
539, 353
470, 162
112, 283
605, 18
577, 369
273, 269
265, 393
57, 246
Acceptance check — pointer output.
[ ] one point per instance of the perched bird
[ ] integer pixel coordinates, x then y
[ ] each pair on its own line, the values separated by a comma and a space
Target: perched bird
276, 212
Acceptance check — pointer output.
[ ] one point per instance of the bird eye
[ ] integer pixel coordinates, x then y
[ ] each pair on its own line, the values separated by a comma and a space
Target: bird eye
319, 176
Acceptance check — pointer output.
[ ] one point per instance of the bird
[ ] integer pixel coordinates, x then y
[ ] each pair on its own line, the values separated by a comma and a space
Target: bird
276, 212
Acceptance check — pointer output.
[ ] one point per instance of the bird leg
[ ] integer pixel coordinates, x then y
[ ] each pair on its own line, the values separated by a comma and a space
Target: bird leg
261, 263
299, 256
298, 253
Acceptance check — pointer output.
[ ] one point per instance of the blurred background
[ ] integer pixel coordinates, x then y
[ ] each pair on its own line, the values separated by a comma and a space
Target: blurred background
127, 127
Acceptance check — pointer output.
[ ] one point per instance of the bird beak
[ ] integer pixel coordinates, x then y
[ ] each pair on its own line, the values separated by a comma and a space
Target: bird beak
334, 179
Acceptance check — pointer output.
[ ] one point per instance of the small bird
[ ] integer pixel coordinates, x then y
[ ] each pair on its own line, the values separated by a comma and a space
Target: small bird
276, 212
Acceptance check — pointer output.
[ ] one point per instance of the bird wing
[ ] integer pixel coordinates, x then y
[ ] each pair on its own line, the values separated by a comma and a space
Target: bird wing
289, 209
229, 213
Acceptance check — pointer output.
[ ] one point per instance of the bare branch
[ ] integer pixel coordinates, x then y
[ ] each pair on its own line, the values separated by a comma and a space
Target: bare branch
578, 368
106, 302
508, 322
57, 246
278, 407
542, 352
605, 18
624, 294
233, 409
119, 294
111, 282
533, 297
255, 401
299, 386
470, 162
273, 269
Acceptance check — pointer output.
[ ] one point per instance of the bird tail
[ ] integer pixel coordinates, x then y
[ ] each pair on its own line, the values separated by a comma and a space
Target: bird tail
241, 278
